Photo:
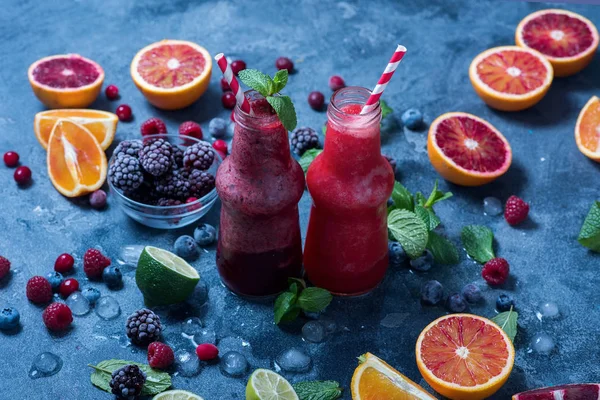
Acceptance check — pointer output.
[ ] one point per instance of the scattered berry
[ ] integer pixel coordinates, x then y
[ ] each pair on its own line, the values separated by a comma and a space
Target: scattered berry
397, 255
284, 63
207, 351
217, 128
186, 247
112, 276
98, 199
57, 316
336, 82
220, 146
9, 318
316, 100
94, 263
456, 303
153, 126
128, 147
302, 139
392, 162
4, 267
228, 100
237, 66
124, 112
39, 290
156, 156
199, 156
160, 355
422, 263
127, 382
11, 159
143, 327
504, 302
111, 92
192, 129
412, 119
205, 235
68, 287
64, 263
471, 293
91, 294
55, 279
432, 293
495, 271
516, 210
22, 175
224, 85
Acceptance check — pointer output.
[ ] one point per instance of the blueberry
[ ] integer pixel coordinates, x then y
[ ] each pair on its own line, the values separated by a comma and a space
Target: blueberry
112, 276
504, 302
432, 293
397, 255
390, 202
205, 235
422, 263
218, 128
91, 294
186, 247
472, 293
456, 303
55, 279
412, 119
9, 318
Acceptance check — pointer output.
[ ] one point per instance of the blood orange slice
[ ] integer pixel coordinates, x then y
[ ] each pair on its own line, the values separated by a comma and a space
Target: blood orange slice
568, 40
467, 150
587, 129
172, 74
510, 78
464, 357
66, 81
582, 391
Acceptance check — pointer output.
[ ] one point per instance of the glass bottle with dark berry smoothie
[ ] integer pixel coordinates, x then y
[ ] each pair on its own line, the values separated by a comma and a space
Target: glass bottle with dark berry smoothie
260, 185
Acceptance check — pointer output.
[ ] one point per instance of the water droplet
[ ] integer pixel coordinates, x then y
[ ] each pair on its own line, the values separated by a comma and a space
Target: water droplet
394, 320
548, 310
294, 360
188, 364
124, 341
206, 335
107, 308
45, 364
313, 331
233, 363
78, 304
492, 206
191, 326
542, 343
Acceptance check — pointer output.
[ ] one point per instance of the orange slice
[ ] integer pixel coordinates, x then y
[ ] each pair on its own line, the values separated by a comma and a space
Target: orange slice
467, 150
66, 81
587, 129
374, 379
464, 357
101, 124
510, 78
577, 391
76, 162
172, 74
568, 40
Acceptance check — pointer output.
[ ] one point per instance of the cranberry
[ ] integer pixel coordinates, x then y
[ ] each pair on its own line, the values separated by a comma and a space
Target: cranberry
232, 116
11, 159
124, 112
224, 85
228, 100
22, 175
207, 351
191, 199
194, 206
284, 63
220, 146
336, 82
64, 263
68, 286
316, 100
112, 92
237, 66
98, 199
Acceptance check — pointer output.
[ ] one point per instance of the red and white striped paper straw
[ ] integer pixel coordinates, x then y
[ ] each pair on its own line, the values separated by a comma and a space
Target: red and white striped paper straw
240, 98
384, 80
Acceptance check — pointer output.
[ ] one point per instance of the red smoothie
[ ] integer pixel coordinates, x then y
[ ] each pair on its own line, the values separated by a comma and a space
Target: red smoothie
260, 185
346, 249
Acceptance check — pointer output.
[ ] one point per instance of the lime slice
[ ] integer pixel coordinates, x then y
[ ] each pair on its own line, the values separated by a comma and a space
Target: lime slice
164, 278
268, 385
177, 395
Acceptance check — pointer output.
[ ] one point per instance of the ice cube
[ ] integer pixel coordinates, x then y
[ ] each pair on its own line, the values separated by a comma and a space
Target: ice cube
542, 343
492, 206
294, 360
78, 304
130, 254
45, 364
188, 364
233, 363
313, 331
108, 308
548, 310
191, 326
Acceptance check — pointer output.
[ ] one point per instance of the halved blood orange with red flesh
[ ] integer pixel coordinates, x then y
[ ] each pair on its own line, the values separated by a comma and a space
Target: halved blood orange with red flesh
587, 129
464, 357
568, 40
581, 391
510, 78
467, 150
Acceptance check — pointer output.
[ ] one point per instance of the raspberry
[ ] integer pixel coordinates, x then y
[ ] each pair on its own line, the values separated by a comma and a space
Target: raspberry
112, 92
495, 271
94, 263
68, 286
4, 267
153, 126
64, 263
39, 290
160, 355
123, 112
11, 159
192, 129
22, 175
516, 210
207, 351
57, 316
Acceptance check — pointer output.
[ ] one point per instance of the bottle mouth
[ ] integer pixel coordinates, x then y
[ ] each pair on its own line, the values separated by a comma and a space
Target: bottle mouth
352, 95
255, 99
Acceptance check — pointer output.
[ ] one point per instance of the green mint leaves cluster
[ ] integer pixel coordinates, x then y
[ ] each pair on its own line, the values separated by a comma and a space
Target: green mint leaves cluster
270, 88
318, 390
590, 231
156, 381
298, 298
478, 242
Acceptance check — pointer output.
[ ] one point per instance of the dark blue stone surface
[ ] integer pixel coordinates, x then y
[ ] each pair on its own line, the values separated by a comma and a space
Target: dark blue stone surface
353, 39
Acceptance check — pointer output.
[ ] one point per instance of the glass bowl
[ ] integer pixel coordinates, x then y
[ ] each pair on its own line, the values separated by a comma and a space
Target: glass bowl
168, 217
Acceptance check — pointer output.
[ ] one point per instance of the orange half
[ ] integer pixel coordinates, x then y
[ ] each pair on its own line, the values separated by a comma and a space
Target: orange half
587, 129
76, 162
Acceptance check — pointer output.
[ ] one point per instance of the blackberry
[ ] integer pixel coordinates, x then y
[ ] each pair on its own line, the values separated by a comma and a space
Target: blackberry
177, 160
125, 173
127, 382
201, 182
155, 156
145, 194
128, 147
199, 156
302, 139
164, 202
143, 327
172, 186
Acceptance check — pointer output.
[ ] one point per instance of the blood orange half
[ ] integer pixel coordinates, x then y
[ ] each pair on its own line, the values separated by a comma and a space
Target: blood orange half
467, 150
172, 74
582, 391
587, 129
66, 81
568, 40
464, 357
510, 78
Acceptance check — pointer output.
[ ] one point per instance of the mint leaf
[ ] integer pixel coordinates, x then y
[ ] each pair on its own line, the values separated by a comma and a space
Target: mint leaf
508, 322
385, 109
285, 110
285, 307
428, 216
409, 230
318, 390
308, 158
314, 299
477, 241
156, 381
444, 252
324, 129
301, 284
590, 231
258, 81
402, 197
420, 199
436, 196
279, 81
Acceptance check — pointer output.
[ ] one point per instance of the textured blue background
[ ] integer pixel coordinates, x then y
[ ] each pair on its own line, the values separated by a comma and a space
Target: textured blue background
353, 39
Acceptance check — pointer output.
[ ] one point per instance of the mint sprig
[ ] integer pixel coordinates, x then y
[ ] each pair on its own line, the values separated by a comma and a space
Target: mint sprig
318, 390
298, 298
409, 230
590, 231
385, 109
270, 89
478, 242
508, 322
308, 157
443, 251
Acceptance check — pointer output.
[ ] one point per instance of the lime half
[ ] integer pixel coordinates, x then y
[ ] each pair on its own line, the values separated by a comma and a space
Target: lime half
164, 278
177, 395
268, 385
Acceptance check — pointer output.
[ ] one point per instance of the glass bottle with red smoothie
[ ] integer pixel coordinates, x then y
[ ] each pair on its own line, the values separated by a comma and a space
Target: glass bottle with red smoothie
260, 185
346, 249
